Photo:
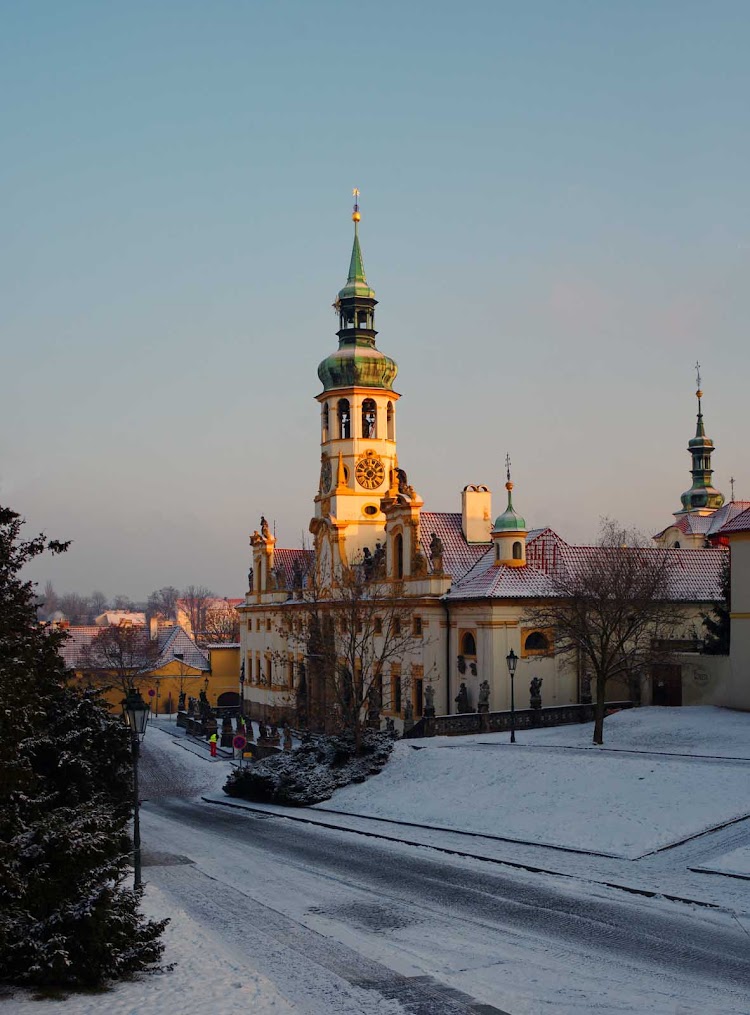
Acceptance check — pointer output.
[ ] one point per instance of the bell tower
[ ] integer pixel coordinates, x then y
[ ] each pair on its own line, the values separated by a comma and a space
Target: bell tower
357, 421
702, 498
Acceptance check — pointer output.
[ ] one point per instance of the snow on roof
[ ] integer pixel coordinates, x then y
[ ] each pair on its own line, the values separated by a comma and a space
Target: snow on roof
708, 525
694, 575
740, 522
171, 640
175, 642
113, 618
458, 555
283, 562
79, 638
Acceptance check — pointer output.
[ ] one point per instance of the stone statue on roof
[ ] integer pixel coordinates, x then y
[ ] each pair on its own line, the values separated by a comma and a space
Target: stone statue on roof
436, 553
264, 529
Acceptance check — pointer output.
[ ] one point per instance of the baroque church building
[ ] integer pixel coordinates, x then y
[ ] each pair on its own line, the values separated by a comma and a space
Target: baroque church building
465, 580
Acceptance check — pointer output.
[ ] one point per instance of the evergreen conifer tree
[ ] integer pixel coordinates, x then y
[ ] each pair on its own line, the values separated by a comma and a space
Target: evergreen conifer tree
66, 917
717, 623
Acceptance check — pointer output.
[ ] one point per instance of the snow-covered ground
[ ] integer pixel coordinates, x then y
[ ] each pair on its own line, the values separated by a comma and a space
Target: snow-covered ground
698, 731
617, 804
206, 979
272, 915
736, 862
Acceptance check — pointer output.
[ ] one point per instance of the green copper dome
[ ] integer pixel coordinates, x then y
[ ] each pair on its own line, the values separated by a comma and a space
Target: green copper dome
509, 521
357, 365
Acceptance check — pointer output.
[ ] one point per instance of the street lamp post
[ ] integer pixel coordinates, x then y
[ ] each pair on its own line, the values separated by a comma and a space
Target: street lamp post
135, 712
512, 661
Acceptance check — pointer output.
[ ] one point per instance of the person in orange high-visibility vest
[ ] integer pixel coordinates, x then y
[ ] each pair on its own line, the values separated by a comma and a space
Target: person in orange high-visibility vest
213, 741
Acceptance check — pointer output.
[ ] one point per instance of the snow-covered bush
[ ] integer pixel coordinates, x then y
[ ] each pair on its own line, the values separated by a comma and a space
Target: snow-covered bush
312, 772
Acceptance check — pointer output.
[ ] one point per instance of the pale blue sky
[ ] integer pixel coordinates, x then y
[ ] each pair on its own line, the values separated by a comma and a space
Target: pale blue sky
555, 220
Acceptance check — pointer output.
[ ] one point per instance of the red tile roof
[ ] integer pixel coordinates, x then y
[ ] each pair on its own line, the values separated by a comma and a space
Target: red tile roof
283, 562
739, 523
458, 555
694, 575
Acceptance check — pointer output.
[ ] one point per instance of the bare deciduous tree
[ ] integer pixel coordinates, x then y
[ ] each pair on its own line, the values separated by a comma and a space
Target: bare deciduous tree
98, 602
194, 603
163, 603
613, 608
222, 623
353, 633
118, 656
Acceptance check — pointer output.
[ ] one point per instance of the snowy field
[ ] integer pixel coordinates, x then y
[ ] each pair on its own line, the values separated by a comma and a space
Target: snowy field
539, 791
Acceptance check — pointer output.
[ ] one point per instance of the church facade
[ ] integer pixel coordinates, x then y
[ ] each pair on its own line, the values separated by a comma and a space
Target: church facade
465, 581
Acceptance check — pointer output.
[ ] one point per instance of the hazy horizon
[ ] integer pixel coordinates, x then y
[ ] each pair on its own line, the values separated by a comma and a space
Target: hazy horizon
554, 220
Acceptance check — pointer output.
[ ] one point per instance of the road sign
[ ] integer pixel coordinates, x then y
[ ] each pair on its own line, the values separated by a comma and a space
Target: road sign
239, 742
151, 693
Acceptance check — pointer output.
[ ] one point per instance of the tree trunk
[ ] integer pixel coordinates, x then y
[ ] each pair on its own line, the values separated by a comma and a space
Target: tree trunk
601, 684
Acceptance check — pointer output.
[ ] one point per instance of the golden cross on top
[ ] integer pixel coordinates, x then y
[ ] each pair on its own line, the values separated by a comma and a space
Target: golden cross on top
698, 373
507, 466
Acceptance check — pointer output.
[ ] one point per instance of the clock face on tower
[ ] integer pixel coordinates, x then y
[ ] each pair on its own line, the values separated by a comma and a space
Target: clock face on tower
370, 471
325, 475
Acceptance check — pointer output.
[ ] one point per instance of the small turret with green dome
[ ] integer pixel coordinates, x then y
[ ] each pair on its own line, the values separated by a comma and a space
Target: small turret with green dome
509, 520
357, 361
509, 531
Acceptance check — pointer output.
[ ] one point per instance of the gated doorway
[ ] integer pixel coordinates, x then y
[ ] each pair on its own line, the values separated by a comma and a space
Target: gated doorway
666, 683
228, 699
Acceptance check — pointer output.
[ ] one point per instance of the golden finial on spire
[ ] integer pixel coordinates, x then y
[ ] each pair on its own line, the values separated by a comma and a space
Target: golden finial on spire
698, 393
355, 214
508, 485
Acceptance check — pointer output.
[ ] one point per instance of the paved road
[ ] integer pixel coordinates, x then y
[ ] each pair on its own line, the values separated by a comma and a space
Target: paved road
348, 924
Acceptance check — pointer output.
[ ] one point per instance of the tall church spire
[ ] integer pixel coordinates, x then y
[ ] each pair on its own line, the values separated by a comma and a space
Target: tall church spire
702, 497
357, 361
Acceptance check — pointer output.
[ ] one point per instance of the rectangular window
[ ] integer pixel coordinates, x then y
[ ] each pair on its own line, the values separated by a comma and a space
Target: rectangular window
290, 673
378, 625
269, 671
268, 624
417, 627
396, 625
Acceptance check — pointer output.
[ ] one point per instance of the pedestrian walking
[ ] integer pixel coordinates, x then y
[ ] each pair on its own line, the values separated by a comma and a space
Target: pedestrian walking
213, 741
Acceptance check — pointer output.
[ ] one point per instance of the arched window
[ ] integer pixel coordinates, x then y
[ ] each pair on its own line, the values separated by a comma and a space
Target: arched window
324, 423
369, 418
398, 550
391, 422
536, 642
468, 644
497, 552
517, 551
676, 544
345, 419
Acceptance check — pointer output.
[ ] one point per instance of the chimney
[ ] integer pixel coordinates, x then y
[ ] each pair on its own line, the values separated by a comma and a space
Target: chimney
476, 514
153, 628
